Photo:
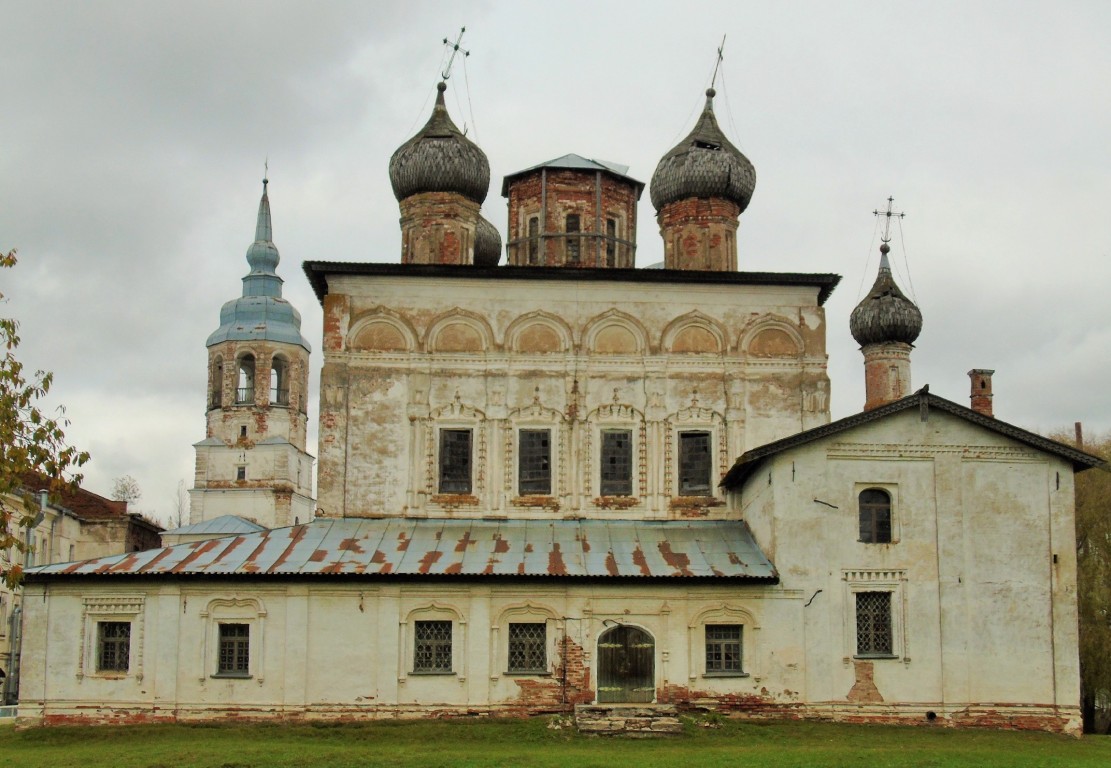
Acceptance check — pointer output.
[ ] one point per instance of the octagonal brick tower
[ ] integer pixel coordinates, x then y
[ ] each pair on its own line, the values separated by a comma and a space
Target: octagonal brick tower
699, 189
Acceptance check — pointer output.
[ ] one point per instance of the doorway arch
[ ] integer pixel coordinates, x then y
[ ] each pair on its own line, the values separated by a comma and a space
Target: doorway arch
626, 666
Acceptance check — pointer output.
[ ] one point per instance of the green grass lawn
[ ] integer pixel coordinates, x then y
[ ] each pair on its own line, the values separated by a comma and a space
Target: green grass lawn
461, 744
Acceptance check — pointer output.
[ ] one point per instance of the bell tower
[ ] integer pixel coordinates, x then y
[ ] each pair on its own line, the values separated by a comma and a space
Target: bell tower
252, 462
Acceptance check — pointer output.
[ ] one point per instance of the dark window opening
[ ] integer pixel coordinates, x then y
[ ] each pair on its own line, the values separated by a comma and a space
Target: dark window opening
617, 462
723, 649
534, 240
535, 467
455, 461
875, 516
611, 243
113, 646
243, 431
234, 650
240, 473
694, 464
432, 646
218, 384
528, 648
873, 624
572, 230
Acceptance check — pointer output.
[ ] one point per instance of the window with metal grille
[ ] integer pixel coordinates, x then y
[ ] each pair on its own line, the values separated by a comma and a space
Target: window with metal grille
534, 240
455, 461
535, 467
694, 464
572, 229
113, 639
617, 462
875, 516
873, 624
723, 649
235, 650
528, 647
611, 242
432, 646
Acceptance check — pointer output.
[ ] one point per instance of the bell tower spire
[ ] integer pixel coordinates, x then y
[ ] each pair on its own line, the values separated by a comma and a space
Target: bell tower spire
252, 462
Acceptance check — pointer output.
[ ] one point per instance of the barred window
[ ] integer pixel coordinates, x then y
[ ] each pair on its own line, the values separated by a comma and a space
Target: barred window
694, 464
572, 230
432, 646
113, 646
535, 468
528, 647
617, 462
723, 649
455, 461
875, 516
873, 624
235, 650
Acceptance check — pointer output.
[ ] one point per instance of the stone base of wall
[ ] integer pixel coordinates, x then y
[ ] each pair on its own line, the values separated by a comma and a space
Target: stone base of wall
628, 719
590, 718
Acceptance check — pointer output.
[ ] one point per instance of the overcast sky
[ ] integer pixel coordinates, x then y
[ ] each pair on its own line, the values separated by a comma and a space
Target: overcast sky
133, 136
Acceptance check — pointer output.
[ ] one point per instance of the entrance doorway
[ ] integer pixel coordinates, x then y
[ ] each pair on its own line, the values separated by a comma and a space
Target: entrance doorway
626, 666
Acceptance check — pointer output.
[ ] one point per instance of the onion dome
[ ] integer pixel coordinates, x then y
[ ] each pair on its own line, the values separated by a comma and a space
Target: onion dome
487, 244
704, 165
261, 312
885, 314
440, 159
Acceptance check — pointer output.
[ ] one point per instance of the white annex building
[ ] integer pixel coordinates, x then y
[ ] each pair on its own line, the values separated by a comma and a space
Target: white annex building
530, 495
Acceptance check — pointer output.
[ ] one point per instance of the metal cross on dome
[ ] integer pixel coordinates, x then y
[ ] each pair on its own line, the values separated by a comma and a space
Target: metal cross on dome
454, 50
889, 213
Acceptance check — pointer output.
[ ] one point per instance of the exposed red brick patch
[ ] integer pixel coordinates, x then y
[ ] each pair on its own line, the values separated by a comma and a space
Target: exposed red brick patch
864, 690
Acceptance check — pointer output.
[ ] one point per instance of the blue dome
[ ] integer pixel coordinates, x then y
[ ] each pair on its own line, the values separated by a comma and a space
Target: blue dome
261, 313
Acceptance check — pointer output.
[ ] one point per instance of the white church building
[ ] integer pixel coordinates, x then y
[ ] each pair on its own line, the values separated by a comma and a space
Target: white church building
530, 496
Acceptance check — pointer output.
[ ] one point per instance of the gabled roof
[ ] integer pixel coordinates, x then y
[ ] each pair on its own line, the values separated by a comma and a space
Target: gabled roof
577, 163
224, 525
750, 461
423, 548
85, 504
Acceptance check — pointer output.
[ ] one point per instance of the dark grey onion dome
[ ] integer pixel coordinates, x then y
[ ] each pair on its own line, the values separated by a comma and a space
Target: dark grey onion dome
487, 244
440, 159
703, 165
885, 314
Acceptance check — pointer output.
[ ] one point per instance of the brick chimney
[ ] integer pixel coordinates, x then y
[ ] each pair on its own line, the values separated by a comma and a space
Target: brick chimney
981, 390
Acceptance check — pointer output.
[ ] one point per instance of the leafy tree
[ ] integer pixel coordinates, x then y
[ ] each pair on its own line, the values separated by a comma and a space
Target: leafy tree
126, 488
33, 447
1093, 589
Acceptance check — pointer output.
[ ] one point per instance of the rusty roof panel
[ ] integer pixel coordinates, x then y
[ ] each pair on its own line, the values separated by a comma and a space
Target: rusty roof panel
430, 547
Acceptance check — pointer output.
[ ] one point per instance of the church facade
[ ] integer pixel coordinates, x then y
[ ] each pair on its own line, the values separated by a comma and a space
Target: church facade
528, 496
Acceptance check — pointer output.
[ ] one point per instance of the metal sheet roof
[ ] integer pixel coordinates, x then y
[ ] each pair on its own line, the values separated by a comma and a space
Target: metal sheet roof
465, 548
224, 525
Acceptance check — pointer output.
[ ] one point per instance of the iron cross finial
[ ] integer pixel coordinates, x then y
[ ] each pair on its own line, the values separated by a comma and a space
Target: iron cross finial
717, 63
889, 213
454, 50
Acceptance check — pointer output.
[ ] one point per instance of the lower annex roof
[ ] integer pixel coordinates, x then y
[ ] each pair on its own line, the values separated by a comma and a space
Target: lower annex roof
454, 548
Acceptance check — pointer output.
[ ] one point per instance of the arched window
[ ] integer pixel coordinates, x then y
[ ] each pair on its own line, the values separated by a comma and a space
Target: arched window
875, 516
217, 384
279, 382
245, 389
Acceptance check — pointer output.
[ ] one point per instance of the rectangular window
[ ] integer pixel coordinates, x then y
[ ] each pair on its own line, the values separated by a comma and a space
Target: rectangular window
455, 461
534, 240
240, 473
528, 648
235, 650
723, 649
113, 651
617, 462
694, 464
572, 230
535, 467
873, 624
432, 646
611, 243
